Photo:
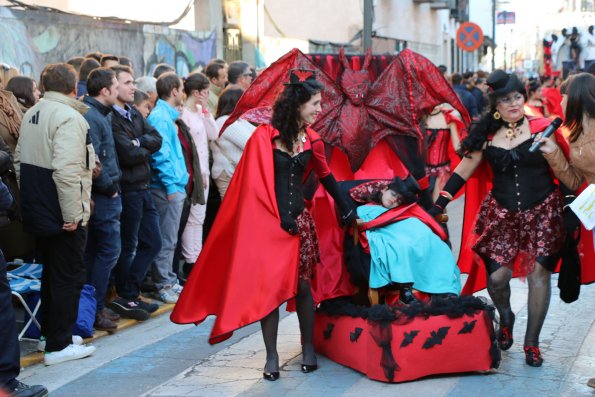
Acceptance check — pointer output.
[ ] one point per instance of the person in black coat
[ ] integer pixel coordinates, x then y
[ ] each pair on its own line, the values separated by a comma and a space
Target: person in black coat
136, 140
10, 355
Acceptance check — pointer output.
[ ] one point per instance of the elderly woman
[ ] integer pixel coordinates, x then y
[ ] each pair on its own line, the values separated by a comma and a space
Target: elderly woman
519, 227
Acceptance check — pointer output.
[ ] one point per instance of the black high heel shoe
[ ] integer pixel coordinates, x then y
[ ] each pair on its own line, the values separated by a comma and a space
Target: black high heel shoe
309, 368
272, 376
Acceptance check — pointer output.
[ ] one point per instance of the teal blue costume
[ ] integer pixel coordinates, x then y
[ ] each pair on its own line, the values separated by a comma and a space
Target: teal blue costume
408, 251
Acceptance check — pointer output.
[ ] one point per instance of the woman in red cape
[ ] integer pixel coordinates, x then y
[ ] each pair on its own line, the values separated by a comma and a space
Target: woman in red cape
263, 246
519, 227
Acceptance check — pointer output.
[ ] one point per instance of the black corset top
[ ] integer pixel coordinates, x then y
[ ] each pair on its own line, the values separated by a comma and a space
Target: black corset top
289, 173
521, 179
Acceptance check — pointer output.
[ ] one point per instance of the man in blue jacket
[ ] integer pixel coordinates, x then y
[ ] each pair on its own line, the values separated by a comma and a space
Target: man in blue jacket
168, 183
103, 241
464, 95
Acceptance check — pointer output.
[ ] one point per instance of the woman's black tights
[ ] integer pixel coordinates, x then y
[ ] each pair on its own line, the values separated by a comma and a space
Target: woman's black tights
538, 301
270, 326
499, 290
540, 292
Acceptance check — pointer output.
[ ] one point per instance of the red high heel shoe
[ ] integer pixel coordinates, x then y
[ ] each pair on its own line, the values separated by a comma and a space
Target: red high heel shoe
505, 338
533, 356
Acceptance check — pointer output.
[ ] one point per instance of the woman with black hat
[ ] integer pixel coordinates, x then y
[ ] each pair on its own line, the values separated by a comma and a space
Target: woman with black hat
519, 227
263, 246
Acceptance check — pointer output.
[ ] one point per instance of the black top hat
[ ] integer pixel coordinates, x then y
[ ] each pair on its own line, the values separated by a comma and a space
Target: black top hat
502, 83
301, 76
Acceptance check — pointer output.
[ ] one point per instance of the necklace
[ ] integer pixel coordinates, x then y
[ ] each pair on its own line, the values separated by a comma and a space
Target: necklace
514, 128
301, 137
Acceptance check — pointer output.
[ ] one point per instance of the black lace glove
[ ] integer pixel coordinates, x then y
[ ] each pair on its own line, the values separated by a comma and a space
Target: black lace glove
435, 210
289, 225
452, 186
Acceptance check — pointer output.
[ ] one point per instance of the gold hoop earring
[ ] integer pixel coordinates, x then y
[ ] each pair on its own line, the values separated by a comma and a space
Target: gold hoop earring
497, 115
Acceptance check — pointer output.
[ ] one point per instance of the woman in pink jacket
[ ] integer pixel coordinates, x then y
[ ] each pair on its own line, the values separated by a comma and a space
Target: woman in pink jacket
203, 129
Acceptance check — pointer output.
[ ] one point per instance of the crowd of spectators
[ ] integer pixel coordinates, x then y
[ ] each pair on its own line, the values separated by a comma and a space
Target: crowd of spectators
110, 172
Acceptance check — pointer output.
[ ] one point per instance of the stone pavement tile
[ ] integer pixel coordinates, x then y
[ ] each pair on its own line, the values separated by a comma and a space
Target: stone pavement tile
235, 368
331, 379
438, 386
505, 385
567, 332
576, 382
130, 371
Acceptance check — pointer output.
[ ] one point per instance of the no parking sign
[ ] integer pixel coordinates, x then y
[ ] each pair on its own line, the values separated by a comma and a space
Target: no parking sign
469, 36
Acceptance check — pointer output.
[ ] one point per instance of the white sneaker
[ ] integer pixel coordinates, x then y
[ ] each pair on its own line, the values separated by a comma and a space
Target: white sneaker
177, 288
76, 340
167, 295
70, 352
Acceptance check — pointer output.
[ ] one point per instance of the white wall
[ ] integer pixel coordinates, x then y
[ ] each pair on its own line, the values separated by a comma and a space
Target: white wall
325, 20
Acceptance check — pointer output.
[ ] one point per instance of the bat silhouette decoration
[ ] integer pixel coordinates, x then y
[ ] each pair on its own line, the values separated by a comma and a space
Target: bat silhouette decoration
436, 338
408, 337
328, 331
354, 336
467, 327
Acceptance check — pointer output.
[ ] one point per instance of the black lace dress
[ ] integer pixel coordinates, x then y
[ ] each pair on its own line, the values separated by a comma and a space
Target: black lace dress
520, 220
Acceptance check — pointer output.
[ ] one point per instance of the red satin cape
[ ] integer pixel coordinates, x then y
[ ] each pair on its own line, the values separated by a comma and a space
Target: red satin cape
249, 264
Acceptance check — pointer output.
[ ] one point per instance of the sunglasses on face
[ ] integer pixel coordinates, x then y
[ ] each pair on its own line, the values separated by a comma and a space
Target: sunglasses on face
510, 99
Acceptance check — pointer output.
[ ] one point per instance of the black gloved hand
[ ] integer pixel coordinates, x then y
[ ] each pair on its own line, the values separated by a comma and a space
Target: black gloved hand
438, 214
289, 225
348, 214
435, 210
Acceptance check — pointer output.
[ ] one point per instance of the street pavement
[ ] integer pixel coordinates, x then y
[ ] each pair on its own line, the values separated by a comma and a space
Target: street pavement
161, 359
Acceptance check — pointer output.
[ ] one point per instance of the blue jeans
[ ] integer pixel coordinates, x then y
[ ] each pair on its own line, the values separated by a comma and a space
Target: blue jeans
141, 241
103, 244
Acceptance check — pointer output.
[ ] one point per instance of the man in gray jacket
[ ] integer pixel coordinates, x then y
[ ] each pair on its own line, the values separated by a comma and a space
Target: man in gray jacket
53, 162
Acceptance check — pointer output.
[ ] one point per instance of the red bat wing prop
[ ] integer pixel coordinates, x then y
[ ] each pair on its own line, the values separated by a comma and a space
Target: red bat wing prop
256, 103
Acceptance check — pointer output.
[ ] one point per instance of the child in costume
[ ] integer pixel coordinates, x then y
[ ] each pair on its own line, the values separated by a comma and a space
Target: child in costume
407, 252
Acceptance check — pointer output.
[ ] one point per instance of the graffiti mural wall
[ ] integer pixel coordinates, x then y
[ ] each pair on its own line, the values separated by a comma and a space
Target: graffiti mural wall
29, 40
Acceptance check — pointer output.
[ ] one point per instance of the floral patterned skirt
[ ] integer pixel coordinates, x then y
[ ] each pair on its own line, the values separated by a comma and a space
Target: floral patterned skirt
516, 238
309, 254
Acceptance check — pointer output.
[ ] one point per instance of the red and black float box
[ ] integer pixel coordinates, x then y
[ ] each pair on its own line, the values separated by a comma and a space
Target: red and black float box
404, 350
